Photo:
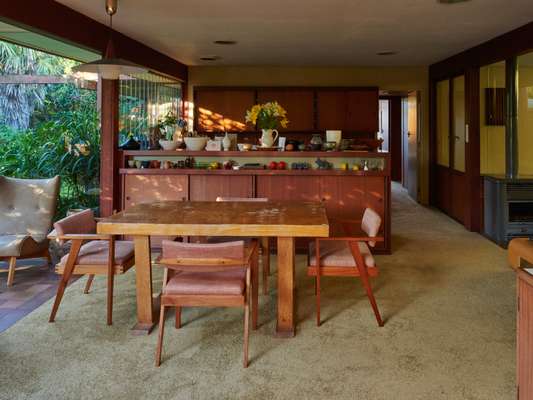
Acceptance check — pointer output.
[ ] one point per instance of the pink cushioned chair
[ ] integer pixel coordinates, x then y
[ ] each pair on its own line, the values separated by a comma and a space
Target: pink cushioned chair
100, 255
264, 243
347, 254
206, 275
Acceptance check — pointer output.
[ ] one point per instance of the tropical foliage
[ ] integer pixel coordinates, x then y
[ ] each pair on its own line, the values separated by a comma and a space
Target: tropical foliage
267, 116
59, 133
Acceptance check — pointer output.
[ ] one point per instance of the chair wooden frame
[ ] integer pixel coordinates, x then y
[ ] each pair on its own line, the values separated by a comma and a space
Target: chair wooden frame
71, 268
12, 263
361, 270
178, 301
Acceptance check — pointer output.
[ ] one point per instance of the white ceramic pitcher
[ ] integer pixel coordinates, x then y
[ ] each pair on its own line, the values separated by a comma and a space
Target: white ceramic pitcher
268, 138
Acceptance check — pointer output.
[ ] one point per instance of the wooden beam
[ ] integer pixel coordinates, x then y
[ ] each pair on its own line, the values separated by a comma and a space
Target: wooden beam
109, 157
45, 80
55, 20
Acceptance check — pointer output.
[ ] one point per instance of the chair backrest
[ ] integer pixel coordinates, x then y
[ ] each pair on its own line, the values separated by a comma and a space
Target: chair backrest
251, 199
370, 224
81, 222
194, 254
27, 206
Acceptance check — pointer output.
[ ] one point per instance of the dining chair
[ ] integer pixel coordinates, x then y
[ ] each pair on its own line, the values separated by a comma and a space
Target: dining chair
206, 275
347, 253
264, 242
90, 254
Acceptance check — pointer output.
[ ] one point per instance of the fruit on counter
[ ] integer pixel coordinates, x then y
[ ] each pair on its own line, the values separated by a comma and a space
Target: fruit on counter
289, 147
272, 165
214, 165
282, 165
355, 167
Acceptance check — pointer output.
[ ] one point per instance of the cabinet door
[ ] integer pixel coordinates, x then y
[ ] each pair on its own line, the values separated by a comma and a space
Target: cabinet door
331, 109
150, 188
284, 188
209, 187
299, 104
362, 110
343, 195
217, 110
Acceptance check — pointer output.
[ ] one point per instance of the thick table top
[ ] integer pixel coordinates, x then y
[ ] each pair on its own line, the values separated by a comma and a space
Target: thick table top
210, 218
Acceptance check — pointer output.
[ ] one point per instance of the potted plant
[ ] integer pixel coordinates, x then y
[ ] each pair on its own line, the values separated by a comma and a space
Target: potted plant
268, 117
168, 125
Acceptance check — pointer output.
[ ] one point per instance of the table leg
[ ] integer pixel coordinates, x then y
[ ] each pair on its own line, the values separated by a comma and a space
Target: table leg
143, 277
285, 326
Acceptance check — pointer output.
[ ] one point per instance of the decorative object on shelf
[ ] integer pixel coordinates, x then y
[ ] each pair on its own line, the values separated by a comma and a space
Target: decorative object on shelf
345, 144
195, 143
145, 164
229, 164
131, 163
169, 125
226, 142
300, 166
252, 166
365, 165
268, 117
272, 165
330, 146
138, 164
356, 167
168, 164
316, 142
168, 144
154, 136
281, 143
282, 165
334, 136
130, 144
302, 147
292, 145
323, 164
155, 164
244, 146
213, 145
344, 166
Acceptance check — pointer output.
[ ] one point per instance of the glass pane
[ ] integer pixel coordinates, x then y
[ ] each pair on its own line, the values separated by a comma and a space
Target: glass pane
492, 118
443, 123
145, 101
525, 114
459, 123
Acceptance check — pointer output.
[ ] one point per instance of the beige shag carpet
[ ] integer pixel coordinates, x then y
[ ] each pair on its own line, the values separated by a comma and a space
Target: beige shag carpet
447, 295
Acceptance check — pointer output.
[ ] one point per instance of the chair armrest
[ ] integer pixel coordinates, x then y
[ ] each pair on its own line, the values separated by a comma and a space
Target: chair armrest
84, 236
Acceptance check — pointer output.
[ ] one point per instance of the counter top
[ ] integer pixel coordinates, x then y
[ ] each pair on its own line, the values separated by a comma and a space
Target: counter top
255, 153
285, 172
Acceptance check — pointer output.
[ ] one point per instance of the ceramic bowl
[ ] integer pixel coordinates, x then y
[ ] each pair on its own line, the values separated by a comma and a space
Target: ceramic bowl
196, 143
168, 144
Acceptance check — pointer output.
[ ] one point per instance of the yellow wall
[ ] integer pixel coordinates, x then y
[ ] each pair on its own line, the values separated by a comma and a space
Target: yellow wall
386, 78
525, 120
492, 138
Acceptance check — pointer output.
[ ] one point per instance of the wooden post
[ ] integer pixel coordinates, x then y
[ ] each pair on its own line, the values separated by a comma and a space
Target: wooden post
109, 158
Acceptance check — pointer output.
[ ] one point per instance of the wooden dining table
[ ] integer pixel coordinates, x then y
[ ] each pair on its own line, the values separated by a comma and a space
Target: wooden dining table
282, 220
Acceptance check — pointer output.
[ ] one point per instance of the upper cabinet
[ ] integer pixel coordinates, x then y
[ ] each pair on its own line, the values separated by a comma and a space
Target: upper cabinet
299, 104
222, 109
353, 110
350, 109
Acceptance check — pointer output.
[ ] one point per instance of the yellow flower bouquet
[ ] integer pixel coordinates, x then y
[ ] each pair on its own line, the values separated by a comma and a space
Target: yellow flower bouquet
267, 116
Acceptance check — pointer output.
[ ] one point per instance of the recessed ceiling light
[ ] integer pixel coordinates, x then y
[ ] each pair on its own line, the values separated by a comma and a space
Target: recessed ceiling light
451, 1
225, 42
386, 53
210, 58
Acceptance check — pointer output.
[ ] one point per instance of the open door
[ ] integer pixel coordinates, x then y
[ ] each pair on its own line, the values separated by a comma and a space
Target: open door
405, 142
412, 144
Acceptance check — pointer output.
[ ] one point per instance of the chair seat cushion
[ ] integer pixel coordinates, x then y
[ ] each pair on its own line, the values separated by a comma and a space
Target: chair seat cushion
230, 282
22, 245
338, 254
96, 253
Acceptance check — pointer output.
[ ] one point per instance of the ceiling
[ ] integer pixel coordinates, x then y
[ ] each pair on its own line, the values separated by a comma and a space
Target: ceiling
311, 32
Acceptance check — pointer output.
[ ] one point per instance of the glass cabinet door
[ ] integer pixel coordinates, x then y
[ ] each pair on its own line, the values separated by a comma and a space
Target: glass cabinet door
459, 127
443, 123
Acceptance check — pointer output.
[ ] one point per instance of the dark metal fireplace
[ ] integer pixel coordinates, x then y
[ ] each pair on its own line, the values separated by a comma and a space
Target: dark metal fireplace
508, 208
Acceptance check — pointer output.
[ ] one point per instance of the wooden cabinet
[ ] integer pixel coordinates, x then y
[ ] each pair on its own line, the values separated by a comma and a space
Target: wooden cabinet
299, 104
150, 188
282, 188
352, 110
525, 336
209, 187
219, 109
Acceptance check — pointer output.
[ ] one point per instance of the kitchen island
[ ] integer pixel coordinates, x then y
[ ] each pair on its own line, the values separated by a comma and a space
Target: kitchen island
345, 192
